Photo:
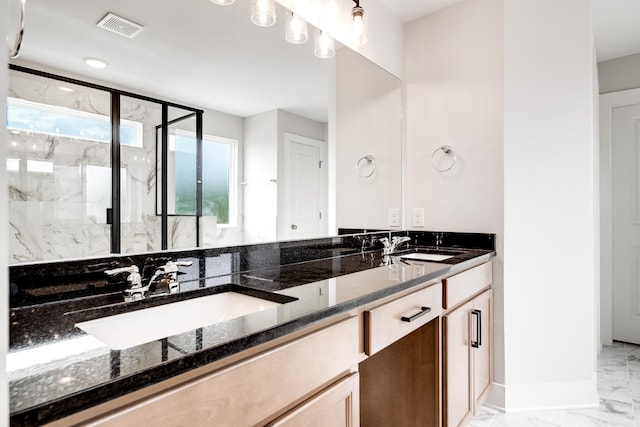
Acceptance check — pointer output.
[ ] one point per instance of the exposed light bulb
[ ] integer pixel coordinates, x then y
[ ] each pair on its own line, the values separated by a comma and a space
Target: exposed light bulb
359, 25
296, 29
324, 45
263, 12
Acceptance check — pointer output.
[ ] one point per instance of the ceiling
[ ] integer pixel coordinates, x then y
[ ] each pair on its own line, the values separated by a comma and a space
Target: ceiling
616, 23
229, 58
193, 52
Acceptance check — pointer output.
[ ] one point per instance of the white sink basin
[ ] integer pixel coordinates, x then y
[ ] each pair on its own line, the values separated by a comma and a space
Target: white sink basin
426, 257
126, 330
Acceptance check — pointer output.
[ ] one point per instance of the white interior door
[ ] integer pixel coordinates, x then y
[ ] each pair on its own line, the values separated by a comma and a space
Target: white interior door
625, 135
305, 195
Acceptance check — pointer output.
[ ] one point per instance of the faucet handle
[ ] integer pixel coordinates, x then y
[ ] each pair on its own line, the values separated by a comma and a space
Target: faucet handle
129, 269
384, 241
133, 278
172, 266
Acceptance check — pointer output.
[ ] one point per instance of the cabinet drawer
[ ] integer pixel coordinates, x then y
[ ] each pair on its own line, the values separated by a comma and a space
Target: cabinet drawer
462, 286
390, 322
246, 393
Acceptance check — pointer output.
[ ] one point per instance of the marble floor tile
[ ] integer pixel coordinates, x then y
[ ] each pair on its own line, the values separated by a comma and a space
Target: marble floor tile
616, 349
583, 419
484, 418
530, 419
619, 389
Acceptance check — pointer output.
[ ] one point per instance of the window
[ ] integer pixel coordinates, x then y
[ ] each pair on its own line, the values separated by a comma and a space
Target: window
219, 176
66, 122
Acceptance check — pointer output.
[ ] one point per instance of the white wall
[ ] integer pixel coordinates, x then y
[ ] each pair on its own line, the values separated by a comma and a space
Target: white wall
368, 122
517, 106
4, 220
619, 74
454, 96
550, 239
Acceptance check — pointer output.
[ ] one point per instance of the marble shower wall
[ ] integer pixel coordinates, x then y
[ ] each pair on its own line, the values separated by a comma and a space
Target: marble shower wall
60, 212
57, 211
140, 227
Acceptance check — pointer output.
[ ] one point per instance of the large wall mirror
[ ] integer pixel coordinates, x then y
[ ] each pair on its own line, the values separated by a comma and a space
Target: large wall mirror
292, 146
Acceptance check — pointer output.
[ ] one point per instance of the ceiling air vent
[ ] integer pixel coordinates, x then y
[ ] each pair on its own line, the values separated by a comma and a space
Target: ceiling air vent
120, 25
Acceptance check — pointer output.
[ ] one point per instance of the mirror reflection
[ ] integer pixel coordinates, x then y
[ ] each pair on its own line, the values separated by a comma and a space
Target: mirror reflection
281, 133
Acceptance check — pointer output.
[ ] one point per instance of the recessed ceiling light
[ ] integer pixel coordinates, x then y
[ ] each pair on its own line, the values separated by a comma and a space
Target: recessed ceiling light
95, 62
65, 89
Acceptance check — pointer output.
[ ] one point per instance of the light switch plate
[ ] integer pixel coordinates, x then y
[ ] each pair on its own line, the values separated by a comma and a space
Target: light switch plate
418, 217
394, 217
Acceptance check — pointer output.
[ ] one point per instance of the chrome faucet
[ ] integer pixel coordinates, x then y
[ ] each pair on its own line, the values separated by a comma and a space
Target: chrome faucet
135, 291
396, 241
163, 282
166, 277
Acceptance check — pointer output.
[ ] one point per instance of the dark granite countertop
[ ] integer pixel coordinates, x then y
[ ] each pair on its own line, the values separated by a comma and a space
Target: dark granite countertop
55, 373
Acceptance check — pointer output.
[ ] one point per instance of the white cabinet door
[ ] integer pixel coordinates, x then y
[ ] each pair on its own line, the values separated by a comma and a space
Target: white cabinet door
626, 222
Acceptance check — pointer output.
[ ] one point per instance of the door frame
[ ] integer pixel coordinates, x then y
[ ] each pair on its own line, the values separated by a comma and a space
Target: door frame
608, 102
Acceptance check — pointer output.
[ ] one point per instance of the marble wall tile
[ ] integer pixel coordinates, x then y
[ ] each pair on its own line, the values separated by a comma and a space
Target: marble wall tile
182, 232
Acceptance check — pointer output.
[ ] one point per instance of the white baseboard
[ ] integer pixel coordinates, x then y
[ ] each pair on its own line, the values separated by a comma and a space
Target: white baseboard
495, 400
544, 396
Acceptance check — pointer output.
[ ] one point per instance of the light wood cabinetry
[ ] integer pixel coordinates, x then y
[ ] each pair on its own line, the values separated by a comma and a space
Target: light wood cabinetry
337, 406
483, 354
391, 321
467, 345
400, 385
422, 359
400, 381
256, 390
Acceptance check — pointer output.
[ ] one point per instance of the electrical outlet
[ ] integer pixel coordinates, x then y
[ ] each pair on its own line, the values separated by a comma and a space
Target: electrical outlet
418, 217
394, 217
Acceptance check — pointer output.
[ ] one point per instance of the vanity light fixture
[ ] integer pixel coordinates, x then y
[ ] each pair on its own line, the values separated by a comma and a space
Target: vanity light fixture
223, 2
296, 29
263, 12
324, 45
359, 29
95, 62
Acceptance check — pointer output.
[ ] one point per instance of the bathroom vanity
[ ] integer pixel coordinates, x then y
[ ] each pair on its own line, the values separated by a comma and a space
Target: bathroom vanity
359, 339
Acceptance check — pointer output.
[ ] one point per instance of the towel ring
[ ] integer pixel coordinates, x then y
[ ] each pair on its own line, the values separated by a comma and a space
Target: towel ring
362, 162
448, 151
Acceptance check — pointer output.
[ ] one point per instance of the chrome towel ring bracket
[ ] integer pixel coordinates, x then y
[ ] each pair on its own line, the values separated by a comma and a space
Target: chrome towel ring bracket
366, 166
443, 158
14, 50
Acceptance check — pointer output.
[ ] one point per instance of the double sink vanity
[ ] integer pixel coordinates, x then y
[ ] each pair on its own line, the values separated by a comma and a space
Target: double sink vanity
326, 332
